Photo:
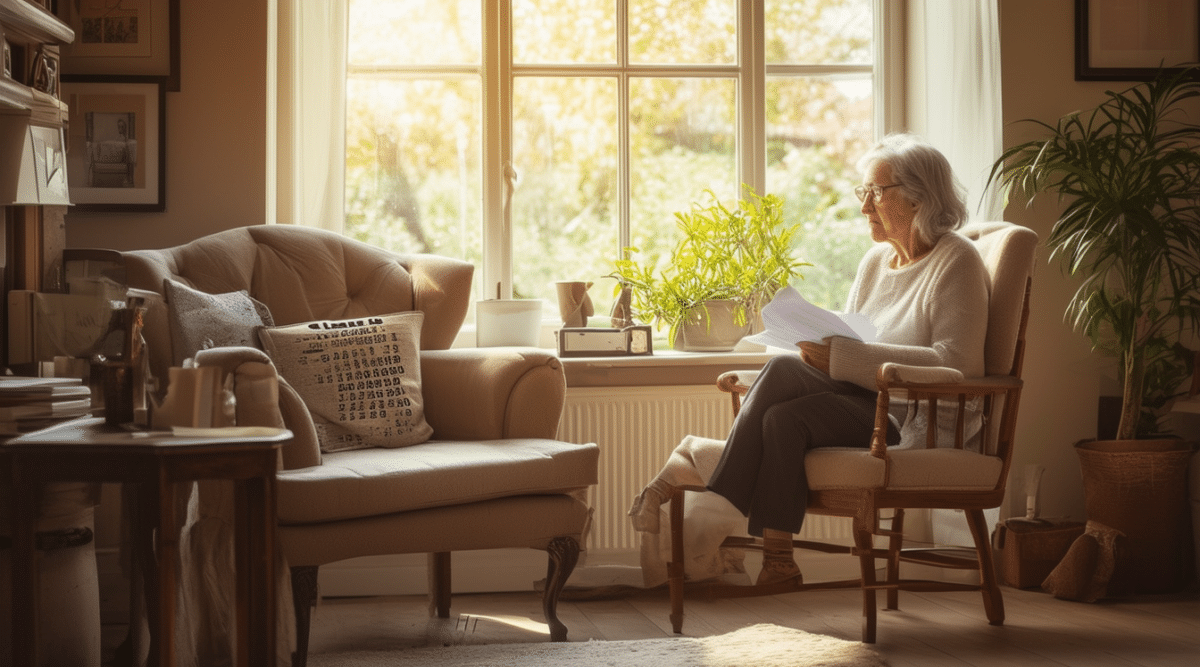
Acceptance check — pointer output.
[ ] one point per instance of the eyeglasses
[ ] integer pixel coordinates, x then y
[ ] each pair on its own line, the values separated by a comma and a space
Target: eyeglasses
876, 192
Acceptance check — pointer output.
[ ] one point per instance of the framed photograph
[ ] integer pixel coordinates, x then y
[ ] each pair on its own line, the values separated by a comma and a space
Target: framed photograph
1128, 40
122, 38
116, 142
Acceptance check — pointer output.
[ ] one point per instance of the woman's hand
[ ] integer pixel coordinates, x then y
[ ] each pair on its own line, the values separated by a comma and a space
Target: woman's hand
816, 354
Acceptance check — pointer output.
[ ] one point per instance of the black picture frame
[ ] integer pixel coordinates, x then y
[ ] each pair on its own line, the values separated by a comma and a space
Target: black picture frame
116, 142
98, 58
1093, 63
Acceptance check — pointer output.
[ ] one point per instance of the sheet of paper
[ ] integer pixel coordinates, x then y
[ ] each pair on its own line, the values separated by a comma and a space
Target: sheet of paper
790, 319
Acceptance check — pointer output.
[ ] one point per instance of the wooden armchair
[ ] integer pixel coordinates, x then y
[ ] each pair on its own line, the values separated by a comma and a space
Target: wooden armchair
968, 474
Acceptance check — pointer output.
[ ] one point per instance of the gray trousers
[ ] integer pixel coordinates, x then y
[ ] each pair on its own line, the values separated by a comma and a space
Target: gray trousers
791, 408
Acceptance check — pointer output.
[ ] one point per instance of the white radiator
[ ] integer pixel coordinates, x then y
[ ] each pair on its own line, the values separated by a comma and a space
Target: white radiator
636, 429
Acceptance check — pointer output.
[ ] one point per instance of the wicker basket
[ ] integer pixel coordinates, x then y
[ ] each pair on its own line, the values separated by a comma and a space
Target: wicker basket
1030, 550
1139, 487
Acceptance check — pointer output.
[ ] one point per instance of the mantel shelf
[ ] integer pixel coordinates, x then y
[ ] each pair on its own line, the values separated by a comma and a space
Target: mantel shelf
33, 22
46, 109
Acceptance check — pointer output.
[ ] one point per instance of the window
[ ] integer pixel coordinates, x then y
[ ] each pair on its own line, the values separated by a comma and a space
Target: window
538, 138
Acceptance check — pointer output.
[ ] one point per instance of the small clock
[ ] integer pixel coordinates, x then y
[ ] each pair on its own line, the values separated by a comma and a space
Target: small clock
639, 339
605, 342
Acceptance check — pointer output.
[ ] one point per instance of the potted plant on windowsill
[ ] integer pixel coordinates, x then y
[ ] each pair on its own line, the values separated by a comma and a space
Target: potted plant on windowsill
1128, 174
727, 265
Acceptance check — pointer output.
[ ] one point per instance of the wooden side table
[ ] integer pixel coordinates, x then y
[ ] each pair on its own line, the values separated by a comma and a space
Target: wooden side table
89, 450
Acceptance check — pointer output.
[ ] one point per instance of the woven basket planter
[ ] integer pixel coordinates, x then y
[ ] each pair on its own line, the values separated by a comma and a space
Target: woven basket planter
1139, 487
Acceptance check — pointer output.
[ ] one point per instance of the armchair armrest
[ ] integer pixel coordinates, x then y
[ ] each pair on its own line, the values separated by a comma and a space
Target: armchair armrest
490, 393
258, 405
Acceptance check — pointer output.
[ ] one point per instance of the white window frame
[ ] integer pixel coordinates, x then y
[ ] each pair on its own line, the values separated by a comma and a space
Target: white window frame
294, 78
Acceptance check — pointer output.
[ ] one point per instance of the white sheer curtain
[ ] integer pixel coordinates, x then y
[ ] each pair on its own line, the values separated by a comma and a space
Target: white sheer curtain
955, 90
310, 113
953, 100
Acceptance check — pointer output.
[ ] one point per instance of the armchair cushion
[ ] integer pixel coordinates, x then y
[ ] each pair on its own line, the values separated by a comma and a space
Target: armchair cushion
360, 378
200, 320
375, 482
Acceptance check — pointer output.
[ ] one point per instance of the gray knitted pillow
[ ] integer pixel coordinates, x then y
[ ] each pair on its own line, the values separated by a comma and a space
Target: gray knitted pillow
200, 321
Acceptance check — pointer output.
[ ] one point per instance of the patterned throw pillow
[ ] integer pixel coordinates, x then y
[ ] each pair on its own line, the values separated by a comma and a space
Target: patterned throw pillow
200, 321
360, 378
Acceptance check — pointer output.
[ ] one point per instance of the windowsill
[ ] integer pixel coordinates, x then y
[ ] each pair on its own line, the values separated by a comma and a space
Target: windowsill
665, 368
662, 368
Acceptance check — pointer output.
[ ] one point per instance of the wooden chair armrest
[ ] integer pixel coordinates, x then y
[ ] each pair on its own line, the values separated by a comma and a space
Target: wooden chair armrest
919, 383
736, 381
892, 374
934, 380
736, 384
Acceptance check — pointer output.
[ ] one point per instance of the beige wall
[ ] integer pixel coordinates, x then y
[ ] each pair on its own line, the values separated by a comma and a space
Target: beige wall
1062, 377
216, 135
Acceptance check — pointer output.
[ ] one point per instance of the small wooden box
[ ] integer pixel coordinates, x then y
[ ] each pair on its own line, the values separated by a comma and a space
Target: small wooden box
1030, 550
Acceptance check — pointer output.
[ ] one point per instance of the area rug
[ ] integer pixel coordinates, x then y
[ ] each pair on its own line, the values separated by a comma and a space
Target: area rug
763, 645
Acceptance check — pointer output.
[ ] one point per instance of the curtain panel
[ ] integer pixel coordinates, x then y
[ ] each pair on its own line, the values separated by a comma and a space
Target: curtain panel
310, 113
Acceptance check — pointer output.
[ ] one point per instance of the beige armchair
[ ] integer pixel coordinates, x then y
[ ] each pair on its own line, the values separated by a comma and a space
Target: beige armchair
491, 476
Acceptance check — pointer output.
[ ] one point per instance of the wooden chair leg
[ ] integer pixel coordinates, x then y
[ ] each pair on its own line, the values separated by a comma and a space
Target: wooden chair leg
304, 594
563, 555
864, 545
895, 544
675, 569
993, 601
439, 584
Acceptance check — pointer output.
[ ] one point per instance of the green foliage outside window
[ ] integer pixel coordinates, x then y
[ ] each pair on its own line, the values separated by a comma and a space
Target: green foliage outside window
414, 139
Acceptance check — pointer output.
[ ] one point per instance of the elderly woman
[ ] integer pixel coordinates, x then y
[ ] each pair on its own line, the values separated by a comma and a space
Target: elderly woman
925, 289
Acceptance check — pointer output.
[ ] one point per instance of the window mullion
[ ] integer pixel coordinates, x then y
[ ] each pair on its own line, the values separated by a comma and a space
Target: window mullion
624, 187
889, 59
751, 93
498, 170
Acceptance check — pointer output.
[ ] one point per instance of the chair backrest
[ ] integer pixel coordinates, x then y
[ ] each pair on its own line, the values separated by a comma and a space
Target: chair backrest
1008, 252
304, 274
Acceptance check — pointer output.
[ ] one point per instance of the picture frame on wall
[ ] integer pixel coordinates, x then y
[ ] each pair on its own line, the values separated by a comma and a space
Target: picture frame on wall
126, 38
1129, 40
116, 142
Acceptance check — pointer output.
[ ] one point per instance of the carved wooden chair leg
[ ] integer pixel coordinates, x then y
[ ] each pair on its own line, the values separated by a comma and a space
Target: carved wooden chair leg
438, 572
864, 545
563, 555
993, 601
304, 594
675, 570
895, 544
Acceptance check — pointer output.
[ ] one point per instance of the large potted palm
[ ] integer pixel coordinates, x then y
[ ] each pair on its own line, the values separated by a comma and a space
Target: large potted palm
728, 263
1127, 173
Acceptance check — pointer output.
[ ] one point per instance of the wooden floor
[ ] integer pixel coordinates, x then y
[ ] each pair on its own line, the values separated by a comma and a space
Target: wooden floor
929, 630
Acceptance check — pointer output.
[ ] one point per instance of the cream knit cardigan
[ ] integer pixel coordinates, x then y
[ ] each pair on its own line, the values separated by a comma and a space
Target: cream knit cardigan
932, 312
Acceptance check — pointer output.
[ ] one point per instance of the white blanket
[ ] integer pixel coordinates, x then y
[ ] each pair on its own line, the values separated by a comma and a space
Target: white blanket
708, 517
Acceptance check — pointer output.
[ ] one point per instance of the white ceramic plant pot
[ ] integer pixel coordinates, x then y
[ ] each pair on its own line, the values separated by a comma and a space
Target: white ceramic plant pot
502, 322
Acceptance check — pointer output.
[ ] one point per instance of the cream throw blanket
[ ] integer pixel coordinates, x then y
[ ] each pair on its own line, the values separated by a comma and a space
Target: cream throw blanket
205, 614
709, 517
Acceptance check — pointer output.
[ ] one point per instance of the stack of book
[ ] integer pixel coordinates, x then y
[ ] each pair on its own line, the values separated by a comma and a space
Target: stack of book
30, 403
